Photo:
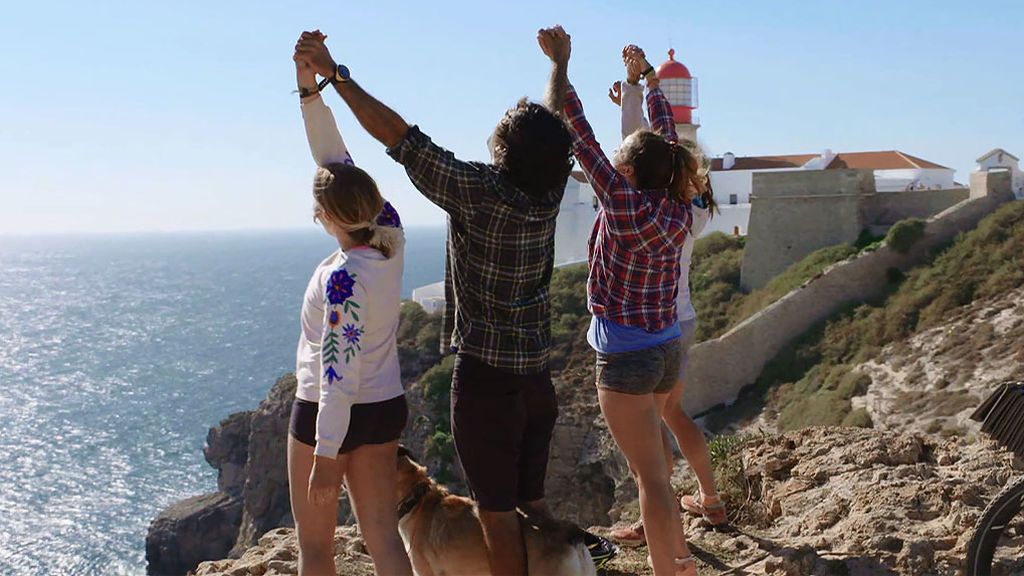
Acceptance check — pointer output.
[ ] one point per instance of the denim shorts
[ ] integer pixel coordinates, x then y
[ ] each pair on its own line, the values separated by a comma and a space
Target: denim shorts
651, 370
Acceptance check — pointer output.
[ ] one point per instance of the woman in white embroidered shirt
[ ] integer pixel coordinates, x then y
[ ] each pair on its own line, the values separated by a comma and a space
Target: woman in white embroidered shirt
350, 408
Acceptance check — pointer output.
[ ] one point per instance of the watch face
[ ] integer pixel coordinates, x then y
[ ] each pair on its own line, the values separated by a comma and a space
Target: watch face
343, 72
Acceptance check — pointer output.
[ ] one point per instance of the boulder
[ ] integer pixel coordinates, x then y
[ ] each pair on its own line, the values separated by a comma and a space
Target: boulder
192, 531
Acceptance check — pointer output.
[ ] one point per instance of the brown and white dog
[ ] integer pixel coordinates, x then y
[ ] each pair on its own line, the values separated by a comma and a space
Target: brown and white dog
443, 535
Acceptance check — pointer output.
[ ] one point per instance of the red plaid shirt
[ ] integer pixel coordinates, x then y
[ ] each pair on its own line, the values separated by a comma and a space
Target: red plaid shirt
638, 234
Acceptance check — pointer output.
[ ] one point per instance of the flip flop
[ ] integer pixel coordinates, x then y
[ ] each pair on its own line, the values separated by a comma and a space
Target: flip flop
713, 514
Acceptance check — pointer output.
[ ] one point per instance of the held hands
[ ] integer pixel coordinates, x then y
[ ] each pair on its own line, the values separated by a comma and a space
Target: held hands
556, 44
324, 481
633, 57
311, 51
304, 73
636, 64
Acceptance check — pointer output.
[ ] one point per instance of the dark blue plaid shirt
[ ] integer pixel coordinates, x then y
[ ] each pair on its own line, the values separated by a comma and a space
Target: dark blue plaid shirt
500, 254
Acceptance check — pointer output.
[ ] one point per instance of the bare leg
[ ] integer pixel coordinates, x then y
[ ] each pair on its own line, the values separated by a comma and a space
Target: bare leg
634, 420
506, 551
371, 481
691, 442
666, 447
314, 525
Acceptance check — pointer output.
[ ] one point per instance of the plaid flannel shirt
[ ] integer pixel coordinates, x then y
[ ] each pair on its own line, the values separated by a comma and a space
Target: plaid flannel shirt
638, 234
500, 254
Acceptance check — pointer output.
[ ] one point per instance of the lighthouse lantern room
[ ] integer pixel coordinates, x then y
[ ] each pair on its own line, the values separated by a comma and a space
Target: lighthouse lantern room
680, 87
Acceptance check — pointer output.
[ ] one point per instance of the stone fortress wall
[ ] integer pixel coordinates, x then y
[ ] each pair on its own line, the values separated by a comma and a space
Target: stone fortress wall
795, 213
720, 368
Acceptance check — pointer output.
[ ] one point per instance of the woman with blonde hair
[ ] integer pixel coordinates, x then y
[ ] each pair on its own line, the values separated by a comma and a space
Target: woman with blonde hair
349, 408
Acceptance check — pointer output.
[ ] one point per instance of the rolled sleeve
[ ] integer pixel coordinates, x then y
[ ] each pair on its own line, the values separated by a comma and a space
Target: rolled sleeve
452, 184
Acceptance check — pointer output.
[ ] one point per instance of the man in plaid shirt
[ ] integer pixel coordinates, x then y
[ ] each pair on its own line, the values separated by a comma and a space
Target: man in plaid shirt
500, 256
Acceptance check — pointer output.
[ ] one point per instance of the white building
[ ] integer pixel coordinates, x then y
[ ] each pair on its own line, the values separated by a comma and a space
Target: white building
732, 179
895, 171
999, 159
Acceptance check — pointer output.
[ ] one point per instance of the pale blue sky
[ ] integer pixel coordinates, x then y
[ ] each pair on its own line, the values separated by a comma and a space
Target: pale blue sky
178, 115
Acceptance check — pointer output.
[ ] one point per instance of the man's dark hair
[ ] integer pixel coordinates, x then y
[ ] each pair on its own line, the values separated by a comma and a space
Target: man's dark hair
532, 147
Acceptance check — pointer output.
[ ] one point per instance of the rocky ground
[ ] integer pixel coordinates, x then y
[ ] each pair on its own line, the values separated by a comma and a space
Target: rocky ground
901, 498
816, 501
933, 381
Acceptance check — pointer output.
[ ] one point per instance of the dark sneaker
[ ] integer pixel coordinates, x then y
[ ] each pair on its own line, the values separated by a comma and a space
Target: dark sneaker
602, 550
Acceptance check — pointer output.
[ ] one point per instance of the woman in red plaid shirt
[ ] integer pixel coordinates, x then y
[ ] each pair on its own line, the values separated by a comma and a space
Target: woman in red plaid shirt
643, 220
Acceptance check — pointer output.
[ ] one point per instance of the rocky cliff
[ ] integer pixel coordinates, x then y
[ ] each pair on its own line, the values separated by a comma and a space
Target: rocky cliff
897, 499
248, 451
816, 501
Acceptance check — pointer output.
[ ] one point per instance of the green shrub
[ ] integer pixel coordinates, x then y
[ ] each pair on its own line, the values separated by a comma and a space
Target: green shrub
812, 265
904, 234
740, 497
436, 384
859, 418
418, 338
867, 241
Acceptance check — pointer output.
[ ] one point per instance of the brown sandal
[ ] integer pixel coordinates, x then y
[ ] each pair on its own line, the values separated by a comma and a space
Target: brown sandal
713, 514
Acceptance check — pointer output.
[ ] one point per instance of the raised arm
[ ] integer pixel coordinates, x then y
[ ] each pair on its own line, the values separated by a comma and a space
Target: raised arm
658, 108
383, 123
631, 97
450, 183
602, 175
633, 109
556, 45
322, 132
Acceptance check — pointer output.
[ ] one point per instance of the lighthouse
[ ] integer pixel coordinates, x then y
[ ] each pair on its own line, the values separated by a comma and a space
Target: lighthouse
680, 87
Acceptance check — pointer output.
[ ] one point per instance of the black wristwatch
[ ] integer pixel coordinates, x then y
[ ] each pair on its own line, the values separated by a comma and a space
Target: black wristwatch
341, 74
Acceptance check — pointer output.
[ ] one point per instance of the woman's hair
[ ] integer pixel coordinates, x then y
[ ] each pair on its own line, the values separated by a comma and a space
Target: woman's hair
660, 164
348, 197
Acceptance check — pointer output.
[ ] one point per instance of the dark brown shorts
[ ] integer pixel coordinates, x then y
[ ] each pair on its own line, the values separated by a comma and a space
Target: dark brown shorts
370, 423
502, 424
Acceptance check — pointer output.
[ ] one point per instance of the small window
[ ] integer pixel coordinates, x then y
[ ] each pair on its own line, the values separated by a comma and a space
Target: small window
733, 199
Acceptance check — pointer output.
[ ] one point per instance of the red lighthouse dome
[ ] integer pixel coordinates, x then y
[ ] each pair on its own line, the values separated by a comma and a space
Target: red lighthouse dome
680, 87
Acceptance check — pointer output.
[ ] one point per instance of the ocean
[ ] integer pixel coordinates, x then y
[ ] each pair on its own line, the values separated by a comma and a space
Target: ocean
117, 354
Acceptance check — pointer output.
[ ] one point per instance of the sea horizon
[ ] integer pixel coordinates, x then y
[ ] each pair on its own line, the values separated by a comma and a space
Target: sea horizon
116, 357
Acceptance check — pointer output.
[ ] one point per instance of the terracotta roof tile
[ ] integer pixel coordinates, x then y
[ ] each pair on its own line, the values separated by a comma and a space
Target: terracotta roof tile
764, 162
881, 160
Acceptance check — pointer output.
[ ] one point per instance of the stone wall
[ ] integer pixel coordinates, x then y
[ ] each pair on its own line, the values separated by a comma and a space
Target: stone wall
888, 208
721, 368
795, 213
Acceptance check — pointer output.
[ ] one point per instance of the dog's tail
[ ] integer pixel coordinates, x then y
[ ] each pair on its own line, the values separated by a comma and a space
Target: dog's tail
581, 563
565, 540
